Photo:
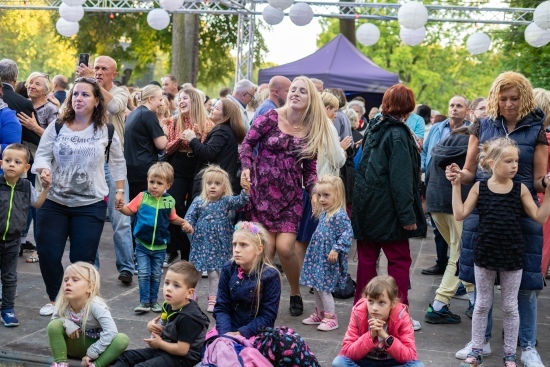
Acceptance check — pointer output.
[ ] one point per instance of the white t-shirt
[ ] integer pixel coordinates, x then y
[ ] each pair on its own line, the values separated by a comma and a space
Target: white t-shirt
76, 162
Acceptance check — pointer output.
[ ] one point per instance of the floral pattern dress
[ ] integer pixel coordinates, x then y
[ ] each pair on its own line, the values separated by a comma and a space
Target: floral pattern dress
332, 233
277, 174
213, 230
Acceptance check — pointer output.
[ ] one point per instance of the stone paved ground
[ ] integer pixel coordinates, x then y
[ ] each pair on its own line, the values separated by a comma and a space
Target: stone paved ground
436, 344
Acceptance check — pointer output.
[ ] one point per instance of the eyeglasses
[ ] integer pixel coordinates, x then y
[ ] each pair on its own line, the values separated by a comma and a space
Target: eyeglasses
252, 98
87, 80
47, 76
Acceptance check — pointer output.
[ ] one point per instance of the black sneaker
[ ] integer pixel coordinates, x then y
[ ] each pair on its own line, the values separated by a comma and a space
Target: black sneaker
444, 316
28, 246
125, 277
169, 259
296, 306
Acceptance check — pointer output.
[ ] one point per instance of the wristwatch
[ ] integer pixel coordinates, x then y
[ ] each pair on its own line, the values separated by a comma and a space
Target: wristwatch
120, 190
388, 342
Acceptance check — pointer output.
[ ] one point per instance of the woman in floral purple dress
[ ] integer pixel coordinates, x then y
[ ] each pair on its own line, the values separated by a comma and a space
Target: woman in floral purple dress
288, 141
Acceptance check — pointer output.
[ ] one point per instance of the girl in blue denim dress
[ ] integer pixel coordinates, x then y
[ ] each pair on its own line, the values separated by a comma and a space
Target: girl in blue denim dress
326, 262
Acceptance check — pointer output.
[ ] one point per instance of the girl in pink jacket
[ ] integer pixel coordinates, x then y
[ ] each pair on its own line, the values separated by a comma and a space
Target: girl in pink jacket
380, 332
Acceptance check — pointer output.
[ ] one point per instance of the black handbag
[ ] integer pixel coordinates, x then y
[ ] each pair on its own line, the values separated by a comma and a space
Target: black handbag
348, 291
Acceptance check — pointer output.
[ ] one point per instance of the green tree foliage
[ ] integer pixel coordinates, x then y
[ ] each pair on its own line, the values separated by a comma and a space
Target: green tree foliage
520, 56
30, 39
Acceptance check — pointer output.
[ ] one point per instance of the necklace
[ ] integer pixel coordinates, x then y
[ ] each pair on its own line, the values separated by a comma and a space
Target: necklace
78, 127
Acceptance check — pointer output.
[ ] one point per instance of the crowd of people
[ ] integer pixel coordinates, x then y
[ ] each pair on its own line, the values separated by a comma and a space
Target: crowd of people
219, 186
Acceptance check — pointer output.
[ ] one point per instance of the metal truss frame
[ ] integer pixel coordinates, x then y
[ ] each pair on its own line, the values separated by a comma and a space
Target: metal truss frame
246, 10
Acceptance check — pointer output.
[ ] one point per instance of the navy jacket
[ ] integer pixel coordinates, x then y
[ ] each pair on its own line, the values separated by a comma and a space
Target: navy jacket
235, 308
525, 135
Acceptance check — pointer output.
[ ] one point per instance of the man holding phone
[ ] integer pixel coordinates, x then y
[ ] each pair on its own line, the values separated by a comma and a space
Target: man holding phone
116, 100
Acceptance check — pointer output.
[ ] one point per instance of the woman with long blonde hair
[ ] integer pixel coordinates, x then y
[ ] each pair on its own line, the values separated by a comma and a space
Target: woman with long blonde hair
288, 140
191, 116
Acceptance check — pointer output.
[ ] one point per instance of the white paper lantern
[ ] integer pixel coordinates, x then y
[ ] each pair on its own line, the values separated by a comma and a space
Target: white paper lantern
541, 16
71, 13
158, 19
478, 43
74, 2
412, 37
273, 15
280, 4
171, 5
535, 36
367, 34
412, 15
301, 14
66, 29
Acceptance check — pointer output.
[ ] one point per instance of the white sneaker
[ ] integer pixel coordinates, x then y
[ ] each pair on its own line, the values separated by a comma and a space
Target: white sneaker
530, 358
416, 325
47, 310
463, 353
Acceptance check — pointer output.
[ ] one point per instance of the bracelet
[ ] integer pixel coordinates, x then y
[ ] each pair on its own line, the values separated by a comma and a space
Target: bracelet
120, 190
544, 183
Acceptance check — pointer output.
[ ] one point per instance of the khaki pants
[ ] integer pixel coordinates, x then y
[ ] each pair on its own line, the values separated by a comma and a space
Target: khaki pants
451, 230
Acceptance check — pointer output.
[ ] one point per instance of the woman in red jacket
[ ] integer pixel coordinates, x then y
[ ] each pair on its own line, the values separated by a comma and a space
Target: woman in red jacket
380, 332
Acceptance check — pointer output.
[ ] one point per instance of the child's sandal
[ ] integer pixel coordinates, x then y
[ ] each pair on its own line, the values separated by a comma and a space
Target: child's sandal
32, 259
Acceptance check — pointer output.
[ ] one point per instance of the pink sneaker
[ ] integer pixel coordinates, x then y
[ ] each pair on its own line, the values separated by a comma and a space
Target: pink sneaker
315, 318
330, 322
211, 303
60, 364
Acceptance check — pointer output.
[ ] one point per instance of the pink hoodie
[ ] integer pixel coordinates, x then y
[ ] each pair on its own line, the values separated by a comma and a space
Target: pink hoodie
358, 342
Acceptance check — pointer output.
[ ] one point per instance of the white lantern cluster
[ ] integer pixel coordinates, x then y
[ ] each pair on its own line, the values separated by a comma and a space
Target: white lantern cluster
301, 14
541, 16
478, 43
158, 19
535, 36
171, 5
367, 34
272, 15
71, 12
412, 37
412, 15
280, 4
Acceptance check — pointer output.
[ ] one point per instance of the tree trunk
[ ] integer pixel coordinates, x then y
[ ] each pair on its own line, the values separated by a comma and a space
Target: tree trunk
347, 28
185, 47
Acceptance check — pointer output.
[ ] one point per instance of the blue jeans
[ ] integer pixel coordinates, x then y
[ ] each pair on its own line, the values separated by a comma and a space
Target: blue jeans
54, 224
149, 272
527, 307
342, 361
122, 228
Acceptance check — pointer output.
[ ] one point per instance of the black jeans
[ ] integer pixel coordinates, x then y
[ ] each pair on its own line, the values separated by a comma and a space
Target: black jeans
150, 357
9, 252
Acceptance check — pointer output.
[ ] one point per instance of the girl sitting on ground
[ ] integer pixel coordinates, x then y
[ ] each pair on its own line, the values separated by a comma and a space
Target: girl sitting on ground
82, 326
380, 332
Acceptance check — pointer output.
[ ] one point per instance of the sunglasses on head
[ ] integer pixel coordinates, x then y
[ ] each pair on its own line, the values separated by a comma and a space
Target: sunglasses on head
87, 80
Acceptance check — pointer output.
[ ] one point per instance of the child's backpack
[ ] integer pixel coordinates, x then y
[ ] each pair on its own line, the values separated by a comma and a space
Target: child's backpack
231, 351
284, 347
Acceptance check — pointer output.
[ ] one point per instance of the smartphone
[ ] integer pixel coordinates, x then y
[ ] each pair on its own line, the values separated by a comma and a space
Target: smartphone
83, 59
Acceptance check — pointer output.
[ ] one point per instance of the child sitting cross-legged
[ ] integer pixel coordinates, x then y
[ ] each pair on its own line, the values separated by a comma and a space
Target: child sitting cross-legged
380, 332
178, 334
82, 325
